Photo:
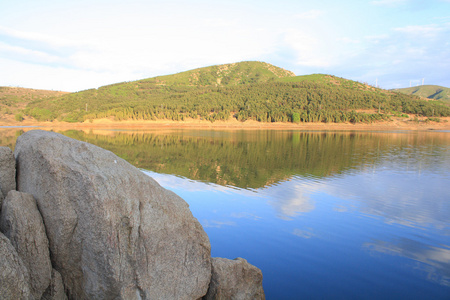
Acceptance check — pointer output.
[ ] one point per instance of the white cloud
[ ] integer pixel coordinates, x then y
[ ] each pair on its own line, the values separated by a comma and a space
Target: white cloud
31, 75
348, 40
36, 48
38, 37
389, 2
310, 15
403, 54
27, 54
309, 49
424, 31
376, 39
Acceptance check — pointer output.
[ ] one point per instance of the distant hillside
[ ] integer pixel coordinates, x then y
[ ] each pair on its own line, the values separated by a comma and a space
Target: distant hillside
13, 99
244, 91
435, 92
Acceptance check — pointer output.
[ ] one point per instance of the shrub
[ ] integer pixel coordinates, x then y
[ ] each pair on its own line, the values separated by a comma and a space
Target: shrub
431, 119
19, 117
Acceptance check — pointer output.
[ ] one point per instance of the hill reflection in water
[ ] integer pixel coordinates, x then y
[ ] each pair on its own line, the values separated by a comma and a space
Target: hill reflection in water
255, 159
324, 215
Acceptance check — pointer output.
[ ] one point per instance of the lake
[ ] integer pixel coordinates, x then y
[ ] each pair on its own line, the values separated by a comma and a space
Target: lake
324, 215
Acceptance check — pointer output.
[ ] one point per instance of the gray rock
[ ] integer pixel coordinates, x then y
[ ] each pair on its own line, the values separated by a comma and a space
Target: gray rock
114, 232
55, 290
14, 277
21, 222
7, 170
234, 279
1, 198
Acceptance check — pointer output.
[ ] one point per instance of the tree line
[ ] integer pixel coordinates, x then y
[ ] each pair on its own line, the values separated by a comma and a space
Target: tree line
270, 101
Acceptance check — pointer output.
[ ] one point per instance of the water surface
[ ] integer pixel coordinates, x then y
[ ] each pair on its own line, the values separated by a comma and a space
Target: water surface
350, 215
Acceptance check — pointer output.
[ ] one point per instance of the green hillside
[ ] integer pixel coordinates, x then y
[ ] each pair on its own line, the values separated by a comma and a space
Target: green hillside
245, 91
14, 99
330, 81
435, 92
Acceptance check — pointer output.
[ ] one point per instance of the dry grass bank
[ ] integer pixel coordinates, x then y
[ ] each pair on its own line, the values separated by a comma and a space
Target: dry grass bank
396, 124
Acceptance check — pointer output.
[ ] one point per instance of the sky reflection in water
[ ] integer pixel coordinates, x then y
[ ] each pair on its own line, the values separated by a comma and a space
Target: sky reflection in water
374, 231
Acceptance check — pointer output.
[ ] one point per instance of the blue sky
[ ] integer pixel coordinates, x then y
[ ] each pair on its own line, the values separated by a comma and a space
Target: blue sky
77, 45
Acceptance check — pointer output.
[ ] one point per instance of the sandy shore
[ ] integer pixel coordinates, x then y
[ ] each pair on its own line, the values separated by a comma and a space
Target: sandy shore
399, 124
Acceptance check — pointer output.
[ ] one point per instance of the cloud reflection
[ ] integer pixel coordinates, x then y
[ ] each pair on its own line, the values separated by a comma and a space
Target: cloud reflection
177, 182
399, 198
405, 198
304, 233
288, 198
435, 260
245, 215
291, 198
216, 223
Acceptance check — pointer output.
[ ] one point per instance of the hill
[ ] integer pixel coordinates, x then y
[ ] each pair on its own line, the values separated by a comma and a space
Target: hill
14, 99
245, 91
223, 75
435, 92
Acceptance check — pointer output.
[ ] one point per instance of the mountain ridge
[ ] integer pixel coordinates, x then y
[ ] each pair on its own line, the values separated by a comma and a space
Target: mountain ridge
435, 92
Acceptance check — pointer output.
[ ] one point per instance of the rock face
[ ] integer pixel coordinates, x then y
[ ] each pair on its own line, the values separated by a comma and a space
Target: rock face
55, 290
234, 279
21, 222
113, 232
14, 277
7, 172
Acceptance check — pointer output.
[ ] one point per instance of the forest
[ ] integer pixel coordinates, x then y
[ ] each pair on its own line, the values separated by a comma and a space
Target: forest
245, 91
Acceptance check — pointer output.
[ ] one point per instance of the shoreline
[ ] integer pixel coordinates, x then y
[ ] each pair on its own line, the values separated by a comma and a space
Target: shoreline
394, 125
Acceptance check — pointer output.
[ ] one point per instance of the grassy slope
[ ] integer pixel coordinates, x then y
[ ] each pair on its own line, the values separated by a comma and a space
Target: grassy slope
331, 80
220, 75
428, 91
13, 99
223, 75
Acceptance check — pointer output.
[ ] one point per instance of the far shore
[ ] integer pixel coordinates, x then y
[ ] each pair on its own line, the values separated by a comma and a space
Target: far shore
394, 125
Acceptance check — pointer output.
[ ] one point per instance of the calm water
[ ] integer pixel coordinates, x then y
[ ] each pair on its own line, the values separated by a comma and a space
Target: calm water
323, 215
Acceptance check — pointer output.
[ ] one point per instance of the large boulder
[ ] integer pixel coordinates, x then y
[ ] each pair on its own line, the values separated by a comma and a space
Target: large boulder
234, 279
7, 172
55, 290
114, 232
14, 277
21, 222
